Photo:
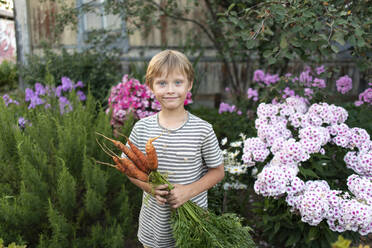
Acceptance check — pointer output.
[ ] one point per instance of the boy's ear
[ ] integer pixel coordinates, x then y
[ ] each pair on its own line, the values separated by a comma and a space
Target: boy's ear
190, 86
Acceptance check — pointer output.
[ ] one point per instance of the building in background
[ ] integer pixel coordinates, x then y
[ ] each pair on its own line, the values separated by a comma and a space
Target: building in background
8, 49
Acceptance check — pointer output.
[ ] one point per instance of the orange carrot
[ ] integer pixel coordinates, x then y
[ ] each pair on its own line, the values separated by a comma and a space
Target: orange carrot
124, 165
152, 158
129, 153
132, 171
139, 153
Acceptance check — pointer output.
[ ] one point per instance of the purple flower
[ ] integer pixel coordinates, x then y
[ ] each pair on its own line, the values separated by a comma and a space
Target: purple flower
29, 93
39, 89
288, 75
58, 91
79, 84
21, 122
308, 92
288, 92
227, 89
66, 84
305, 77
224, 107
81, 95
259, 76
34, 101
8, 100
271, 79
252, 93
320, 70
365, 97
63, 102
344, 84
318, 82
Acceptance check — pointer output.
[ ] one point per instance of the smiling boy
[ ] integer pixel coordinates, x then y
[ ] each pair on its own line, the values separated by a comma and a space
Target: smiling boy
188, 150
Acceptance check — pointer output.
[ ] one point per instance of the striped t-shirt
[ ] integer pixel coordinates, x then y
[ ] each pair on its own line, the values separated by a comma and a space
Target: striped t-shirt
184, 154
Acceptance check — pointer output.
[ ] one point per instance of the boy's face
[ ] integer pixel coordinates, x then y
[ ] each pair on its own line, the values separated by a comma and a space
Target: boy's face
171, 90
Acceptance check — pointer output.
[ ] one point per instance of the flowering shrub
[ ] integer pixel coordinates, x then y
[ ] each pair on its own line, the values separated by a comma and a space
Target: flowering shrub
132, 96
344, 84
365, 97
225, 107
306, 85
41, 95
290, 134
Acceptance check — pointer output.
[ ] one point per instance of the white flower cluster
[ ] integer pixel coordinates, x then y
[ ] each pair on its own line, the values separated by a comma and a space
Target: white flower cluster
316, 126
231, 163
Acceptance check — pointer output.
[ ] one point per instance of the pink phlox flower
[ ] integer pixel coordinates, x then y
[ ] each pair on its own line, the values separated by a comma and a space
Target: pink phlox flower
252, 93
273, 180
361, 187
320, 69
288, 92
306, 78
271, 79
344, 84
318, 82
259, 76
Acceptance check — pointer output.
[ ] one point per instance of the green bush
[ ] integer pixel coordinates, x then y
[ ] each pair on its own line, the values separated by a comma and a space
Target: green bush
8, 76
52, 193
98, 71
226, 124
12, 245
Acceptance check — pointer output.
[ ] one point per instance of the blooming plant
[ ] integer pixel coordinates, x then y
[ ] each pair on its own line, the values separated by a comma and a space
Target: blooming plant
309, 84
365, 97
130, 96
289, 136
42, 95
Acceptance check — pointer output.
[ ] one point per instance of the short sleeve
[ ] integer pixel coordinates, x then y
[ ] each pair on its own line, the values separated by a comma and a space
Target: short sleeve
133, 137
211, 151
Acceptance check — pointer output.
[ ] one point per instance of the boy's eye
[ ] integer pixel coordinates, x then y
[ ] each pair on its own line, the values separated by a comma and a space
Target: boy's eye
161, 83
178, 82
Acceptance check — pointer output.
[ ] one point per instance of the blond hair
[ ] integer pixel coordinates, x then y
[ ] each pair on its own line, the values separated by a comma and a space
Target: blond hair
167, 61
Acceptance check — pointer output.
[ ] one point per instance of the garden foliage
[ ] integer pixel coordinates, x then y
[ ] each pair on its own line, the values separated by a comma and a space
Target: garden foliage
8, 76
270, 216
52, 193
98, 71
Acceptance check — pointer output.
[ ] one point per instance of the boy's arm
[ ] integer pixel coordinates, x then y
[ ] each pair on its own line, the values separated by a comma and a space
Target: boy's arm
182, 193
158, 192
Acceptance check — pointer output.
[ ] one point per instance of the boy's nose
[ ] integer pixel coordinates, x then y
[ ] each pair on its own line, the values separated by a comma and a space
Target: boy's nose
170, 88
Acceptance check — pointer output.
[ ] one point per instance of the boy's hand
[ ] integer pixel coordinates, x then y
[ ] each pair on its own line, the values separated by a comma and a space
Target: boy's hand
160, 192
178, 196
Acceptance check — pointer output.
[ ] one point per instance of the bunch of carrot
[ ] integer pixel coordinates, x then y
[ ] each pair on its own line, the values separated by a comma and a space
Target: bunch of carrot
192, 225
136, 164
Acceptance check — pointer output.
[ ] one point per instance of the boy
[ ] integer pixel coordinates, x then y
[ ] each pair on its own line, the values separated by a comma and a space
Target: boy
188, 150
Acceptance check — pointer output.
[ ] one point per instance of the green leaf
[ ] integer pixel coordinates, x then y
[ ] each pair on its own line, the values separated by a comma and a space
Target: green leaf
293, 238
339, 37
308, 172
359, 32
231, 7
335, 48
267, 53
271, 60
283, 42
361, 42
276, 227
250, 44
313, 233
351, 40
